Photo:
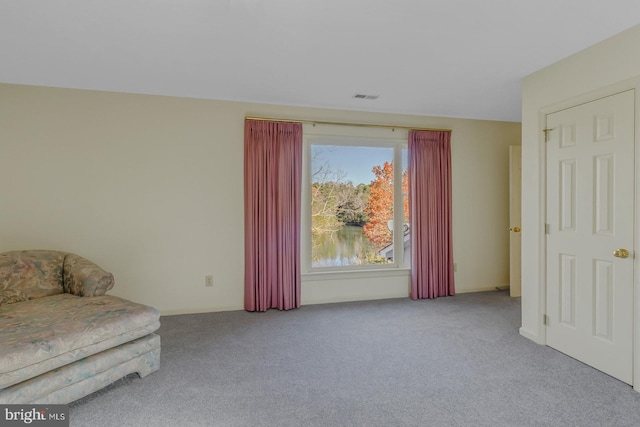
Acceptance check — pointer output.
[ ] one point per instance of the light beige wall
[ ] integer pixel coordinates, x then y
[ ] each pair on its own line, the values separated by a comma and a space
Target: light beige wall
600, 70
151, 188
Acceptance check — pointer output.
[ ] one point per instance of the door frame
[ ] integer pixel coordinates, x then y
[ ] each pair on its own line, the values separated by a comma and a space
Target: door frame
515, 286
632, 84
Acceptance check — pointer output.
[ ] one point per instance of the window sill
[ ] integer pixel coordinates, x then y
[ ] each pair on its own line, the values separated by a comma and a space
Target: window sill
356, 274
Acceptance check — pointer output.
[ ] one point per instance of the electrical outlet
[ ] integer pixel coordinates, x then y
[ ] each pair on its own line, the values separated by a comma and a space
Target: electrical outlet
455, 267
208, 280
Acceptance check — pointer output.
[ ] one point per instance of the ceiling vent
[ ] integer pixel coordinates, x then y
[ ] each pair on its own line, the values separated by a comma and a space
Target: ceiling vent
363, 96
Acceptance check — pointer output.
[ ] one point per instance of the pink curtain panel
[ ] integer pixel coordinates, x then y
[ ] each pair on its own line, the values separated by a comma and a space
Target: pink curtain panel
430, 214
272, 185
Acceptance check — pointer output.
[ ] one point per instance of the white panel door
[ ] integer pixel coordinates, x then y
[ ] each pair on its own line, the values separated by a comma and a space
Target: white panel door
590, 205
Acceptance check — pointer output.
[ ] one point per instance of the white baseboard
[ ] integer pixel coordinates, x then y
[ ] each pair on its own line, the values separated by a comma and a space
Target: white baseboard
346, 298
200, 310
529, 335
483, 289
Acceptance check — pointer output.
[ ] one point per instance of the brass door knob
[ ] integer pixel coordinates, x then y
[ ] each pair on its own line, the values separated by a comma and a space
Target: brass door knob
515, 229
621, 253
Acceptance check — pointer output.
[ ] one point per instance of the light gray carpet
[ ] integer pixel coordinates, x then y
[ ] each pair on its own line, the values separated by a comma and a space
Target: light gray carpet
455, 361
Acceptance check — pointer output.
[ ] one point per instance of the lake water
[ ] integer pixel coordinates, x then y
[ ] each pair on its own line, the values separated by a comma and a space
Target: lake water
347, 246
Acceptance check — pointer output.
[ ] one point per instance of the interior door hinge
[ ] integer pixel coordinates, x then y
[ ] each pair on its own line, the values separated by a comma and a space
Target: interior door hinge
546, 134
546, 229
545, 319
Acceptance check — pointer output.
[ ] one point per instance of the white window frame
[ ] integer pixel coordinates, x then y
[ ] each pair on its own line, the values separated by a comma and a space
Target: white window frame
353, 136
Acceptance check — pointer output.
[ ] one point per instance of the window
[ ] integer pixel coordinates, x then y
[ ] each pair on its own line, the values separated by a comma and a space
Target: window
356, 217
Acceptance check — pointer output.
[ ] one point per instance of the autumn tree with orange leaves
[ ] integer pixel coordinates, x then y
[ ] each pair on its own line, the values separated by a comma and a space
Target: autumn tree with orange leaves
380, 205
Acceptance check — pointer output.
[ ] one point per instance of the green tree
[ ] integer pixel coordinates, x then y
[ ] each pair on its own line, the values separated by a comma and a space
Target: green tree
324, 207
352, 203
335, 202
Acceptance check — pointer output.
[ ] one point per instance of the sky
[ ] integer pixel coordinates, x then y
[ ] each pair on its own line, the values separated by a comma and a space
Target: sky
356, 161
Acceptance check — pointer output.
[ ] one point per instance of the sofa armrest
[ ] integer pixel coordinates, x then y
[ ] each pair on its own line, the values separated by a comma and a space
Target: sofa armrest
83, 278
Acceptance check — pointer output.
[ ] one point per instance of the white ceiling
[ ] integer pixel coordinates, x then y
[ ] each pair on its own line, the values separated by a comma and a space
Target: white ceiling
455, 58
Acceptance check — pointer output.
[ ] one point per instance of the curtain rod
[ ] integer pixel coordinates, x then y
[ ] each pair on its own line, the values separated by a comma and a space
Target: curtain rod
319, 122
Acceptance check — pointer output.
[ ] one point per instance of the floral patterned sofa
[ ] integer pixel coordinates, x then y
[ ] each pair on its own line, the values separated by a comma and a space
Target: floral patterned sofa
61, 337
